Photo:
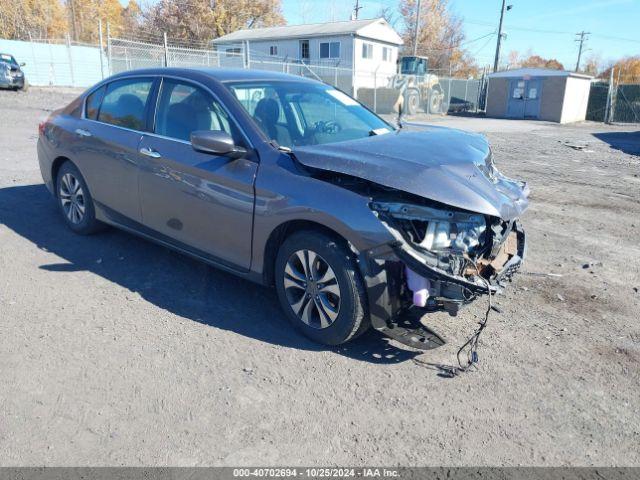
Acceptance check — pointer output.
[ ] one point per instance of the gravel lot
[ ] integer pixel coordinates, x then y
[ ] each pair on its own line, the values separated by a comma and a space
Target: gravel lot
115, 351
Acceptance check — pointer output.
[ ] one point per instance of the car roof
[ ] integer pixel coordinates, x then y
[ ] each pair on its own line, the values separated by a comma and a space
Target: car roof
220, 74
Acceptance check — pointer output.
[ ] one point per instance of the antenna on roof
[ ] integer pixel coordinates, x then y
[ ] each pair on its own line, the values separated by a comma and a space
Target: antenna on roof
356, 10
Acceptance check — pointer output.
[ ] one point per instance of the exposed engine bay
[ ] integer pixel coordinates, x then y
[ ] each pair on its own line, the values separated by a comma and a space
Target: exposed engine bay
451, 256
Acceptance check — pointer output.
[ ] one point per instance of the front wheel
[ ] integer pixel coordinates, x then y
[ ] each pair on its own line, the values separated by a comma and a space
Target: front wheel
74, 200
320, 288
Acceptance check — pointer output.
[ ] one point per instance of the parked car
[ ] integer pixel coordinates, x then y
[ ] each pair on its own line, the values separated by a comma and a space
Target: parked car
11, 75
289, 182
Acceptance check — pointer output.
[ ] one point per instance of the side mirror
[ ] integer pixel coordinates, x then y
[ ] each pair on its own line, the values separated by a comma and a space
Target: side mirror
22, 64
216, 142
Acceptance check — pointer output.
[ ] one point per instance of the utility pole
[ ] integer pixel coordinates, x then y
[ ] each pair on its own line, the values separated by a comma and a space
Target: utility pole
505, 8
416, 30
356, 10
582, 39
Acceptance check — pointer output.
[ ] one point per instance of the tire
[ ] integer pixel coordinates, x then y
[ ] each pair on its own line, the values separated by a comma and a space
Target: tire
346, 312
74, 200
435, 102
25, 86
412, 102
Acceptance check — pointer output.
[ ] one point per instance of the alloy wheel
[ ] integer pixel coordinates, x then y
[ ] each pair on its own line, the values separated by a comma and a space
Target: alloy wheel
312, 289
72, 198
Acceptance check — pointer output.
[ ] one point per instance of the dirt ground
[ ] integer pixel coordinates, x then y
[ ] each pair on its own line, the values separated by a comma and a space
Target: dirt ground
115, 351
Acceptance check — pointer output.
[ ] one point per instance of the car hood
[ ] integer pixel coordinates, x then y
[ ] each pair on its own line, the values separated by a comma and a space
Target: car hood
442, 164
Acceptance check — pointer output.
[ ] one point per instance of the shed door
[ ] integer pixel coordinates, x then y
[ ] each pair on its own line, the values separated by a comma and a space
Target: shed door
524, 98
532, 98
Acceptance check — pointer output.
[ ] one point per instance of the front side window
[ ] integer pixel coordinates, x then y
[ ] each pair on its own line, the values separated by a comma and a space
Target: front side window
93, 103
184, 108
367, 50
330, 50
299, 113
124, 103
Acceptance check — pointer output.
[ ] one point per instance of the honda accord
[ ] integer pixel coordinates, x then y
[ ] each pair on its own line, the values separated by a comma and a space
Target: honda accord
290, 182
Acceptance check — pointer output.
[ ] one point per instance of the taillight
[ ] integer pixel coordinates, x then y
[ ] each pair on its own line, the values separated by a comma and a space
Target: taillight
41, 126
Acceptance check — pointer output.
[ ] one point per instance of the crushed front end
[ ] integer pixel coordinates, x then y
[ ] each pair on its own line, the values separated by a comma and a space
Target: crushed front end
441, 259
451, 256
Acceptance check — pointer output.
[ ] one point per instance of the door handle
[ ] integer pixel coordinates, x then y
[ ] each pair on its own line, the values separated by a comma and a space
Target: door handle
150, 152
81, 132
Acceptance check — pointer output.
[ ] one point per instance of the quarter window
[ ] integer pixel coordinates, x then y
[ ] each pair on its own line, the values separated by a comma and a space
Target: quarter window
93, 103
330, 50
367, 50
185, 108
124, 103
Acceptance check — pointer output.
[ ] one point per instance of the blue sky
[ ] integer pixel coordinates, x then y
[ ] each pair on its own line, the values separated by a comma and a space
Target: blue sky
557, 20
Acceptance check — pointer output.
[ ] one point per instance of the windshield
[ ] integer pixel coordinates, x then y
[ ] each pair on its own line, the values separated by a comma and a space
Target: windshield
4, 58
412, 66
299, 113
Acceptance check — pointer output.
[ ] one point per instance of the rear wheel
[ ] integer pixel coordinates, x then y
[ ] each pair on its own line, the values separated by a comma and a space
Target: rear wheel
74, 200
320, 289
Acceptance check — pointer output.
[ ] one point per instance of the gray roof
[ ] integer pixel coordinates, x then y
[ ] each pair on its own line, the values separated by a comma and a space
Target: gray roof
301, 31
536, 72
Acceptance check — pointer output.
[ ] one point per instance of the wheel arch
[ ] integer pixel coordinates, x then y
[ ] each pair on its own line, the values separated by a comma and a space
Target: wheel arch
55, 168
284, 231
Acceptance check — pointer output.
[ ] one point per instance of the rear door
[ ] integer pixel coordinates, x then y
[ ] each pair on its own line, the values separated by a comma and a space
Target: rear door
115, 117
202, 202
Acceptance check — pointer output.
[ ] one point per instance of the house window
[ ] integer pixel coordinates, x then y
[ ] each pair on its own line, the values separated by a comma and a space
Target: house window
367, 50
330, 50
273, 50
233, 52
386, 54
304, 49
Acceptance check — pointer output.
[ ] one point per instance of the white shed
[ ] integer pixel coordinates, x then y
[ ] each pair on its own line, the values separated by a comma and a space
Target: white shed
554, 95
361, 47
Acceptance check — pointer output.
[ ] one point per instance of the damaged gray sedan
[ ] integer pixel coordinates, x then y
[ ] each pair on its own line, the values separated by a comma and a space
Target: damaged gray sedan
291, 183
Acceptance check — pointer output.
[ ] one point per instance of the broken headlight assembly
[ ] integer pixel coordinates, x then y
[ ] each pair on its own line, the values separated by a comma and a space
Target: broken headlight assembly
450, 256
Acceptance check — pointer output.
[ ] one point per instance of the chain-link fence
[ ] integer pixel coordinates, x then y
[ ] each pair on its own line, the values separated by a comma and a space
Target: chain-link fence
60, 62
614, 102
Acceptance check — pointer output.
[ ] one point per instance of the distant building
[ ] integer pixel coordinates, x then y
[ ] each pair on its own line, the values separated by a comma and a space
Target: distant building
361, 46
538, 93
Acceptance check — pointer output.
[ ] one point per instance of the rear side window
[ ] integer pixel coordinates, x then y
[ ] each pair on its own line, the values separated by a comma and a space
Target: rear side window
124, 103
93, 103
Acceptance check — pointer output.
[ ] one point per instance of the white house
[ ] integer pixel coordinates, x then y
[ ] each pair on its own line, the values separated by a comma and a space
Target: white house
357, 47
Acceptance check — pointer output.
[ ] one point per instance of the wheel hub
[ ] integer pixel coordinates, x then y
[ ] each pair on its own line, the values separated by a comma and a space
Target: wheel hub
312, 289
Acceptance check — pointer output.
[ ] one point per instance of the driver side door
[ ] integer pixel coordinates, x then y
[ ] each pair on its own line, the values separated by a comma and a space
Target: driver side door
200, 202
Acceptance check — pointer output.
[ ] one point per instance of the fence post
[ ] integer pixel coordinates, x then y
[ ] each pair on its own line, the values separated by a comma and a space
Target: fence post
101, 47
33, 55
466, 90
109, 59
166, 49
375, 91
73, 82
607, 109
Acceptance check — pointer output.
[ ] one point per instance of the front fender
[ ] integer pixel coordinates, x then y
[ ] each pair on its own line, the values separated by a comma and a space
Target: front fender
285, 193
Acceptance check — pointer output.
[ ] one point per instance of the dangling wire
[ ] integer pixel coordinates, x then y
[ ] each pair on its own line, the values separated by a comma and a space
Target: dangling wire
471, 345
